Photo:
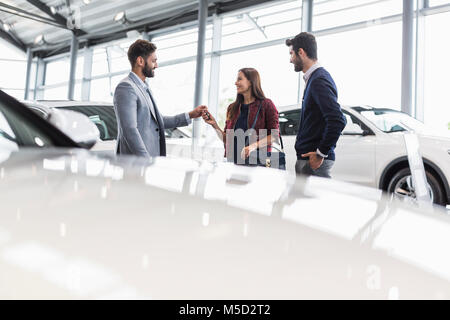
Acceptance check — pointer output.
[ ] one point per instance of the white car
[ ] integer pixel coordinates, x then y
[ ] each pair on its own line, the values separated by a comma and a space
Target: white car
371, 150
78, 225
103, 116
189, 230
74, 124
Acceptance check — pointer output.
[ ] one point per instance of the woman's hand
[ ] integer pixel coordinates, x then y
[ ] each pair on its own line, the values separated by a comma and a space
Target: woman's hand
247, 150
208, 118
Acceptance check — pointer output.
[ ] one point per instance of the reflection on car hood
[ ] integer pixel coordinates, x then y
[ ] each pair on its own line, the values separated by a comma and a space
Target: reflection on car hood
75, 225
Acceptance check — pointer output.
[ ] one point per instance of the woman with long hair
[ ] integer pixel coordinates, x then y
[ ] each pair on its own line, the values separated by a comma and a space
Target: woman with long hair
250, 110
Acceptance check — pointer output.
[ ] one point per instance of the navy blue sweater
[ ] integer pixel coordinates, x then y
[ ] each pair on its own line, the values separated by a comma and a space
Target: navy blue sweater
322, 120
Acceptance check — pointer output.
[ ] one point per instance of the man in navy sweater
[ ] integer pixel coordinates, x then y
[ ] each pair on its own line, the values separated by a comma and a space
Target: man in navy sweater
322, 120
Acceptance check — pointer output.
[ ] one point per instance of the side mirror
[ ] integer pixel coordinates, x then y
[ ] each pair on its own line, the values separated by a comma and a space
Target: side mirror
352, 129
77, 126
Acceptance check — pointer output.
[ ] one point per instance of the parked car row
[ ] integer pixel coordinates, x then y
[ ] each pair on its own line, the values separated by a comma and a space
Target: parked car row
371, 150
78, 224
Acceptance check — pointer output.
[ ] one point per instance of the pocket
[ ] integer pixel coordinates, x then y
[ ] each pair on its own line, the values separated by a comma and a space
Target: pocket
306, 168
328, 164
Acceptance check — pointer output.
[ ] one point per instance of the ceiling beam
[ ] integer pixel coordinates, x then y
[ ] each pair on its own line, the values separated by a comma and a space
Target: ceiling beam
13, 40
148, 26
61, 20
28, 15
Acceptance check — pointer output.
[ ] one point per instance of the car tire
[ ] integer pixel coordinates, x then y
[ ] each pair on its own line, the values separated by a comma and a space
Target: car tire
433, 182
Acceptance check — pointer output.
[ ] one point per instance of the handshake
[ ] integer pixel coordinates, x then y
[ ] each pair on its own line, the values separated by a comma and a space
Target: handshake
202, 111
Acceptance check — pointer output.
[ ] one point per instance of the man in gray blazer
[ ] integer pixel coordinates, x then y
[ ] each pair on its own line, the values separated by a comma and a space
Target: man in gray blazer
140, 125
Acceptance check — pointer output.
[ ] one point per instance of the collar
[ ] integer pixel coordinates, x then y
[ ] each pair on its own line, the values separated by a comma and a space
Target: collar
143, 84
310, 71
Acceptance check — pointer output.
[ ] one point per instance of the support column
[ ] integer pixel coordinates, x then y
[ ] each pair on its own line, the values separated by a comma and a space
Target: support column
202, 16
109, 59
407, 56
145, 36
41, 67
307, 14
87, 73
214, 80
28, 74
73, 66
419, 81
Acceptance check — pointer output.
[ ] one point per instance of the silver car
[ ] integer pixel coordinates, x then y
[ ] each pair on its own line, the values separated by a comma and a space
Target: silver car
76, 225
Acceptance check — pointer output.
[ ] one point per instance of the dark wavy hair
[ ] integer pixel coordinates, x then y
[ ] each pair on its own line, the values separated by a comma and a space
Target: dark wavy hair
140, 48
253, 76
306, 41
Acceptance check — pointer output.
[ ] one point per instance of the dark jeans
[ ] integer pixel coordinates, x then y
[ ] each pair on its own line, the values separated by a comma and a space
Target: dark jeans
302, 167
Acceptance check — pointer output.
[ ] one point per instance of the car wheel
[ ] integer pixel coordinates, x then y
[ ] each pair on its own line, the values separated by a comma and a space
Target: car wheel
401, 186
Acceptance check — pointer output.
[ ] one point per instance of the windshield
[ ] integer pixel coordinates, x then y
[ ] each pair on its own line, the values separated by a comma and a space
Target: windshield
177, 133
393, 121
18, 131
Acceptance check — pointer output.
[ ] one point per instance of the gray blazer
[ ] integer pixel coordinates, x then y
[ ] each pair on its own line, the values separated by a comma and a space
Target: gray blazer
137, 119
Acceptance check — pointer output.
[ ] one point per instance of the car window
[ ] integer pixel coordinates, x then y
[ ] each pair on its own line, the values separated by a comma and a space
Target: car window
289, 122
103, 117
8, 139
393, 121
19, 131
174, 133
353, 126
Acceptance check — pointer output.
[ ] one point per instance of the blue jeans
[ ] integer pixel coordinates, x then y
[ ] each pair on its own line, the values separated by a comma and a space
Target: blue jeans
303, 167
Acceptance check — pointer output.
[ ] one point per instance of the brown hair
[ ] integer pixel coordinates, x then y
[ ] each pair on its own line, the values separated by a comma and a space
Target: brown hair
306, 41
253, 76
140, 48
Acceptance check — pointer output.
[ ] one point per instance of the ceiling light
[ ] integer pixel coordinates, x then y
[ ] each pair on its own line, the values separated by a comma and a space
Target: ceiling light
39, 40
6, 27
121, 18
53, 10
87, 1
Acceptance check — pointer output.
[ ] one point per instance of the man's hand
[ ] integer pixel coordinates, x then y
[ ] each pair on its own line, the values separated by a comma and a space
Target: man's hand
315, 161
197, 112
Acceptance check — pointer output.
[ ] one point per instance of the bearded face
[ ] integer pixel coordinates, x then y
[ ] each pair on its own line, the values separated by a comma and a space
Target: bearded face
298, 63
296, 60
148, 71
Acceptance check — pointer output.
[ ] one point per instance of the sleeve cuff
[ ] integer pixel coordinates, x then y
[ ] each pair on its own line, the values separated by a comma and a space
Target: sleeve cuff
321, 154
188, 119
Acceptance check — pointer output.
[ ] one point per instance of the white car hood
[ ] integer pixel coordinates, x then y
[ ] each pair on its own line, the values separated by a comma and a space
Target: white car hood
442, 141
434, 147
77, 226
